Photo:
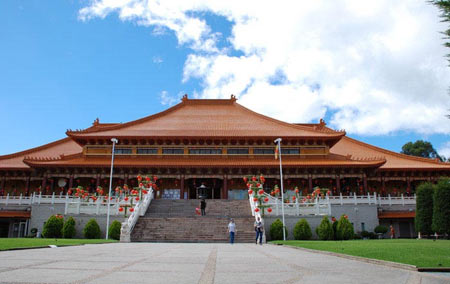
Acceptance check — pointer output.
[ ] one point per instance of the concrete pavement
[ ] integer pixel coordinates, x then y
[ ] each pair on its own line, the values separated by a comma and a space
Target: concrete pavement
194, 263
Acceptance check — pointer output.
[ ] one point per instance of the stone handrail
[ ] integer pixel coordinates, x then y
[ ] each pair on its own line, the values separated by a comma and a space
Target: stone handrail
139, 210
316, 207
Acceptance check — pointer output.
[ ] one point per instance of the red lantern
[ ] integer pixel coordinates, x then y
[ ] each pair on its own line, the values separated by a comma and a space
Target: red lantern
261, 192
245, 179
147, 178
131, 209
258, 184
253, 178
333, 219
293, 198
139, 178
120, 209
126, 199
155, 178
255, 199
269, 209
256, 209
250, 192
266, 199
144, 191
141, 184
248, 184
137, 198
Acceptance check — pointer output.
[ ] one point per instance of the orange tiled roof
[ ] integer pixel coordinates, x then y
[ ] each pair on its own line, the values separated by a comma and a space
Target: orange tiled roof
208, 118
394, 214
394, 161
64, 146
203, 161
15, 214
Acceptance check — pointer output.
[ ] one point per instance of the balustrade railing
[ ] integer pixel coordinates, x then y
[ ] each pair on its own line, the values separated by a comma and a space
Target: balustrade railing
314, 207
139, 210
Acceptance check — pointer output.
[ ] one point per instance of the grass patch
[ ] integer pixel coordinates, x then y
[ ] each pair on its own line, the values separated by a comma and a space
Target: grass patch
421, 253
12, 243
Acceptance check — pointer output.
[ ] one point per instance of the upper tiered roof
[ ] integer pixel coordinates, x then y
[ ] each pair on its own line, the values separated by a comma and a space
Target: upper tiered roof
208, 118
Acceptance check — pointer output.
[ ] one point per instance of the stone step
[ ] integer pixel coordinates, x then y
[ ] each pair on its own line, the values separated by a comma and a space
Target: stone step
177, 221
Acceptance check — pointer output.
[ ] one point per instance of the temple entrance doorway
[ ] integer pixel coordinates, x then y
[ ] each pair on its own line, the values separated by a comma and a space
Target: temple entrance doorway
208, 188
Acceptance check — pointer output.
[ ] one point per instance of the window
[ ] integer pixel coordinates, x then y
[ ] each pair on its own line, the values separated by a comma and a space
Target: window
290, 151
173, 151
147, 151
205, 151
122, 151
237, 151
264, 151
363, 227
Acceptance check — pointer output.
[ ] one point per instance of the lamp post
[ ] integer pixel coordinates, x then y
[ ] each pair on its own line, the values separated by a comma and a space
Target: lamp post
278, 141
114, 140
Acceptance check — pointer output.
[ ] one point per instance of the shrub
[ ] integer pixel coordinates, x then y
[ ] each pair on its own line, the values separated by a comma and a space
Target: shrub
372, 235
53, 227
365, 234
424, 208
114, 230
344, 229
276, 230
92, 230
68, 230
380, 229
325, 229
302, 230
441, 207
335, 223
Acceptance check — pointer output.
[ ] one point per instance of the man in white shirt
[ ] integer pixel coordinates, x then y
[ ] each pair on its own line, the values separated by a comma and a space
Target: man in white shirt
232, 230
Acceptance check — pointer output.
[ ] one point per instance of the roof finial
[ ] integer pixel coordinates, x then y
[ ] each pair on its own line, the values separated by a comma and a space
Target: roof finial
322, 122
233, 98
185, 98
96, 122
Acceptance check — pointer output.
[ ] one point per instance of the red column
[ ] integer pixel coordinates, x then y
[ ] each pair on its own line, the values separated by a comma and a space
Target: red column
125, 179
27, 186
310, 183
71, 181
338, 184
182, 187
383, 186
365, 184
44, 184
225, 187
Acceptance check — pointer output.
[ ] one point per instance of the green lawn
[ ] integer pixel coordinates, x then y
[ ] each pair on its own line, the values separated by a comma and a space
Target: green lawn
421, 253
10, 243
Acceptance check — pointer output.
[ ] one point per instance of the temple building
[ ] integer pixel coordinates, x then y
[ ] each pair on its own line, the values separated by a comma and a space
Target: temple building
214, 143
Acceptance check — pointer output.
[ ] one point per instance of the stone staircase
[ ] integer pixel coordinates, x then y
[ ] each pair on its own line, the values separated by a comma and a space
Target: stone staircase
176, 221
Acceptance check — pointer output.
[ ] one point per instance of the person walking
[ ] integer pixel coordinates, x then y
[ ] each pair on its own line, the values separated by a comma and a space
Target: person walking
203, 207
259, 228
232, 230
392, 232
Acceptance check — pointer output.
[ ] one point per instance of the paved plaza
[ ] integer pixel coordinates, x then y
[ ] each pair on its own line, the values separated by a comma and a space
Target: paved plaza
137, 263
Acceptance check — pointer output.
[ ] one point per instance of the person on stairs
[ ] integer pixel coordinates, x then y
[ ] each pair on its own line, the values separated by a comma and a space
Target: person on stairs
203, 207
259, 228
232, 230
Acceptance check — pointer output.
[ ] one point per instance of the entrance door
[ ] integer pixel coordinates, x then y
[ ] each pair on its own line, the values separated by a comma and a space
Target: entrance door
211, 189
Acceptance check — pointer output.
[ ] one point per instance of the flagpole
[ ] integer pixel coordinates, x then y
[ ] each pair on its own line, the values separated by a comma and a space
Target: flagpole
278, 141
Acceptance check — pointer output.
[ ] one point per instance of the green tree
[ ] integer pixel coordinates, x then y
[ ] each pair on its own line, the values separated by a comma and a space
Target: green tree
325, 229
444, 7
424, 208
276, 230
441, 207
68, 230
92, 230
344, 230
114, 230
302, 230
420, 148
53, 227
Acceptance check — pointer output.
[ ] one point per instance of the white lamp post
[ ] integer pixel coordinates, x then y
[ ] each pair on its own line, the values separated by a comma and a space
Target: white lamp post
278, 141
114, 140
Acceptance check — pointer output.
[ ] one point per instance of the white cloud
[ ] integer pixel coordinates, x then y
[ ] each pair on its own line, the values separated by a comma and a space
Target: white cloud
376, 66
157, 59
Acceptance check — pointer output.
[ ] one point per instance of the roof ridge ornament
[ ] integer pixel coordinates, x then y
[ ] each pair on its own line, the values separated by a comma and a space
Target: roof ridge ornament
185, 98
96, 122
233, 98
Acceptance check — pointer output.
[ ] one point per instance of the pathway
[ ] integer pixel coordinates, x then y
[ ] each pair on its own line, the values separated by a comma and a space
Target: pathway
194, 263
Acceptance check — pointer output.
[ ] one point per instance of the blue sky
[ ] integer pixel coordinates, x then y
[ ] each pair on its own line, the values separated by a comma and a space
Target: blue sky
58, 71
